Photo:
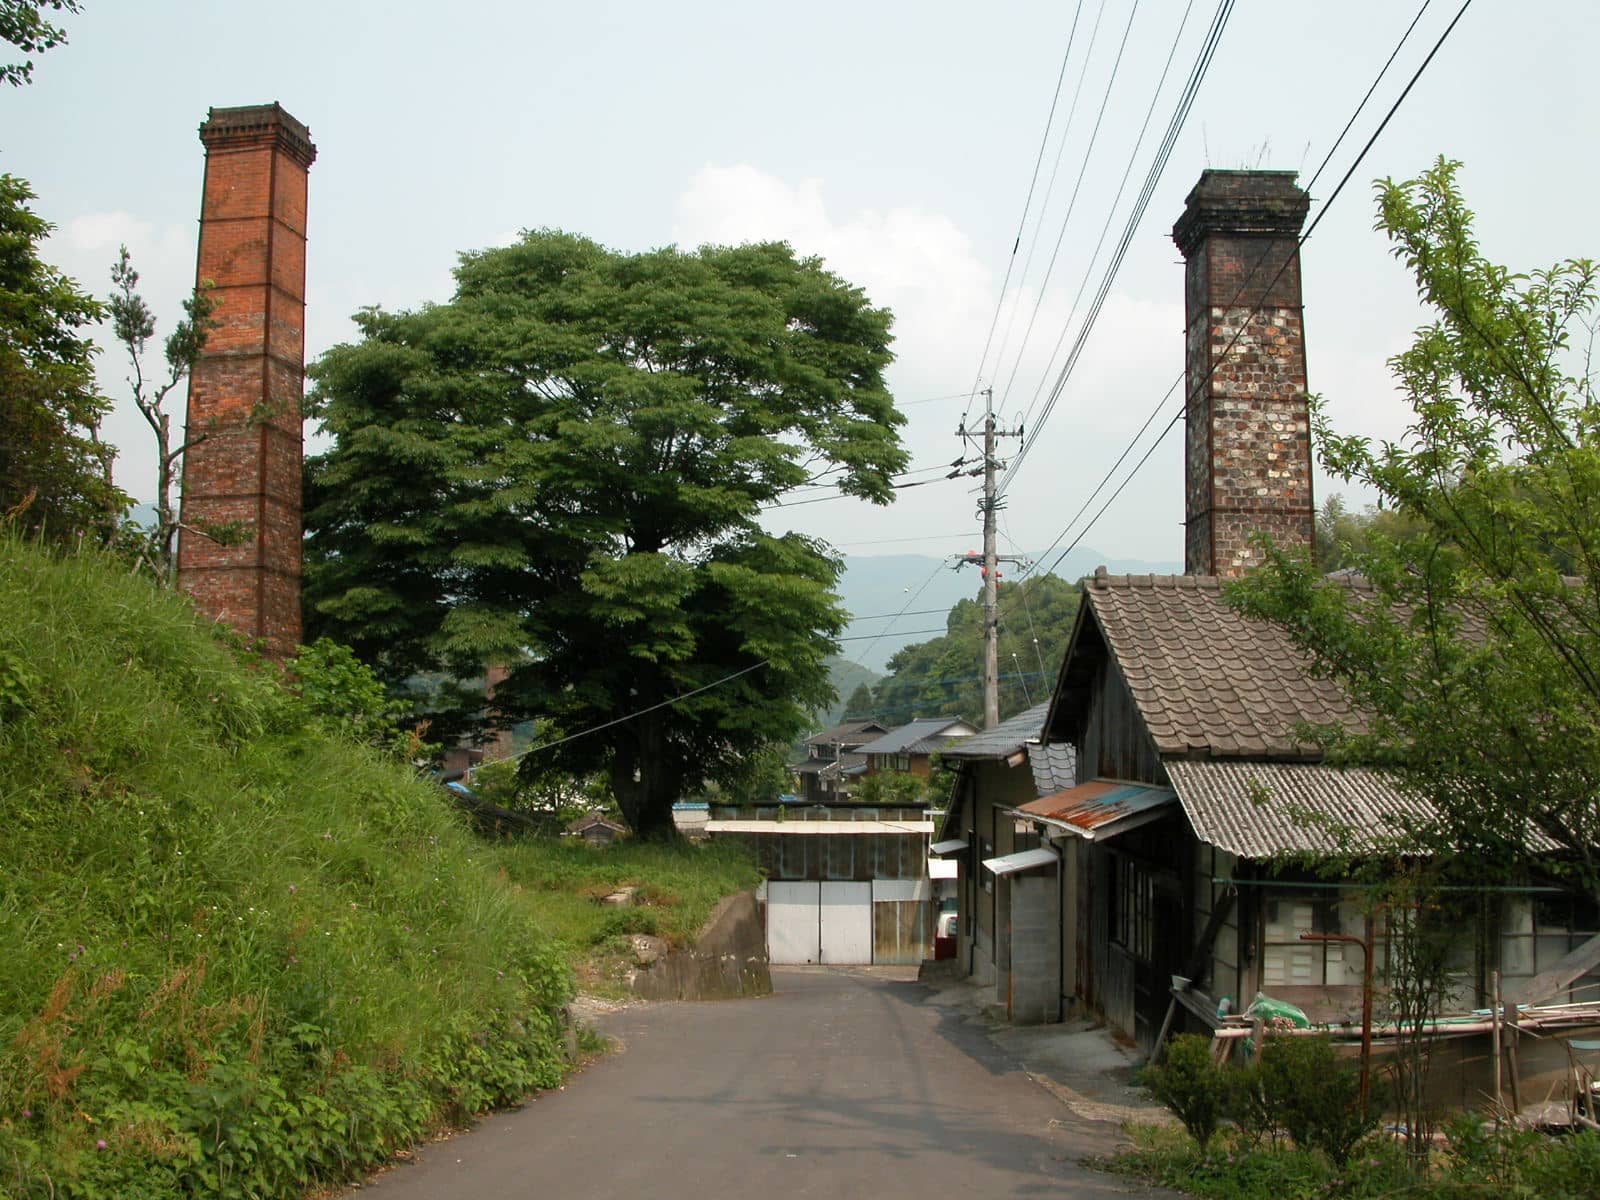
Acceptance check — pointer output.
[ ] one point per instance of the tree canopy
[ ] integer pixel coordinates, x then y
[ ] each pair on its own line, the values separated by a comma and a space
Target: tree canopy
1475, 644
562, 469
53, 467
943, 676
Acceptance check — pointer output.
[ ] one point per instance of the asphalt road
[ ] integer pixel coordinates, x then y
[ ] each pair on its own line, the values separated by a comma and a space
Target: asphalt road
843, 1084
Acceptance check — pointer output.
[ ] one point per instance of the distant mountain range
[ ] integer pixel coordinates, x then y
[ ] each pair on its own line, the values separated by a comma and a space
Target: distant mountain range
875, 588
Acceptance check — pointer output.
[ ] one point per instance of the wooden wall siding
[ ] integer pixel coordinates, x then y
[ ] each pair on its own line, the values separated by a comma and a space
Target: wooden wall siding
900, 931
1115, 743
1119, 990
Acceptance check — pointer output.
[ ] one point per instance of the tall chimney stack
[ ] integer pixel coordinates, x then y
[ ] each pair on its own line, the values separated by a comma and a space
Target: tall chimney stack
244, 424
1247, 447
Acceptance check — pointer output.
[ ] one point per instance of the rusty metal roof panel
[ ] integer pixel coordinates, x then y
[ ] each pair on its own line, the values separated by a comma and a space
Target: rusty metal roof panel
1101, 808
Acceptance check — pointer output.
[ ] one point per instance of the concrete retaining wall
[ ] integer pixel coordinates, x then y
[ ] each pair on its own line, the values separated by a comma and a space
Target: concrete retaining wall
727, 961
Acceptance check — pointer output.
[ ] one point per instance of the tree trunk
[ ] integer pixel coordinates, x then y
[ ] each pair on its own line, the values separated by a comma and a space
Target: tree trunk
645, 782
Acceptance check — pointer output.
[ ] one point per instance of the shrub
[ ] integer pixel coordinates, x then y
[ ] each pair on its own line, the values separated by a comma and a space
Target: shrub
1305, 1087
1191, 1085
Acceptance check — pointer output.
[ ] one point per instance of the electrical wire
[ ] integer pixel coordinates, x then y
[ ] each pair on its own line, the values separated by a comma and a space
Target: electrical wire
1105, 228
1158, 165
1218, 359
572, 737
1022, 223
1066, 133
1077, 186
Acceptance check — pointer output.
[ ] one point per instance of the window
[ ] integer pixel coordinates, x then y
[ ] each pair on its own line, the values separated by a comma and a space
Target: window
792, 856
841, 856
1536, 931
1286, 961
1133, 908
902, 762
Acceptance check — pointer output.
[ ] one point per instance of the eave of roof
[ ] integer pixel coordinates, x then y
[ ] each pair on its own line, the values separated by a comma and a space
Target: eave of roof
1005, 739
1102, 808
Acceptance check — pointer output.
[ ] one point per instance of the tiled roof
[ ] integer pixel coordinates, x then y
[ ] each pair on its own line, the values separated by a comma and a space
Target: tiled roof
1054, 767
915, 737
1259, 809
1208, 681
1005, 739
844, 733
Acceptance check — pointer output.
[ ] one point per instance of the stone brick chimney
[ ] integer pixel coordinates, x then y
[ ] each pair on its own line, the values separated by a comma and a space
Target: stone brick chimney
245, 392
1248, 442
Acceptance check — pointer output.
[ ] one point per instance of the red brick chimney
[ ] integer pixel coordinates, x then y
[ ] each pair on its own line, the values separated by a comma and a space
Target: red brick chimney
1248, 441
245, 392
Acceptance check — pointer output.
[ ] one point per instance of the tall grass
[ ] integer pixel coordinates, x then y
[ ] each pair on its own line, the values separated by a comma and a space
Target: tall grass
239, 958
678, 888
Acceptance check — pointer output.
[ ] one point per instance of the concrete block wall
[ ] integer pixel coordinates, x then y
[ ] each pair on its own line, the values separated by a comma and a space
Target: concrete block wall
1035, 948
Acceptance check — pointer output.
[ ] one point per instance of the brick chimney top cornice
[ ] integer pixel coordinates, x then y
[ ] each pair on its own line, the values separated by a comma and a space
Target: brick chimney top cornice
1235, 203
255, 125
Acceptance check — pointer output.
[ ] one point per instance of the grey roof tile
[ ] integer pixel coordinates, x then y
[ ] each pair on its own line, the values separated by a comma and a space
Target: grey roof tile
1005, 739
1207, 679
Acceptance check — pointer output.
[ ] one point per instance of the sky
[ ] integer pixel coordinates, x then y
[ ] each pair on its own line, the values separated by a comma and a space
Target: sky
896, 140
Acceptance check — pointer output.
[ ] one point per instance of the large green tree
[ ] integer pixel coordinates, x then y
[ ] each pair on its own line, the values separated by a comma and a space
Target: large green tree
1475, 644
562, 470
944, 676
55, 472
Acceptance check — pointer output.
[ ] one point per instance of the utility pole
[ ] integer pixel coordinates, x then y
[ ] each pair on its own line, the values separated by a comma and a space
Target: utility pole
988, 508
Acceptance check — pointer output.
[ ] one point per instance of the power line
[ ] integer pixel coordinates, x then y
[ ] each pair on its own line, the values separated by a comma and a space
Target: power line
1022, 223
571, 737
1260, 258
1327, 204
937, 567
1083, 75
1111, 211
1180, 115
1083, 168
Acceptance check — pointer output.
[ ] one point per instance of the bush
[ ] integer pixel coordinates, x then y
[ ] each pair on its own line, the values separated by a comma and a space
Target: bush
1192, 1085
1303, 1085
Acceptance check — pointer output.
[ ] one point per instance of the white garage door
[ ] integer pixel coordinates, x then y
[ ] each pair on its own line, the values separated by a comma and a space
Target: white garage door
847, 922
794, 927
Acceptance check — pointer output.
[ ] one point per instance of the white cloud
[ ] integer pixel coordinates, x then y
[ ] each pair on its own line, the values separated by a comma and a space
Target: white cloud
926, 269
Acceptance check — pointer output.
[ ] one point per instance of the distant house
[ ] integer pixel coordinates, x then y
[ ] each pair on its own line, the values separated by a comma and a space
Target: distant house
597, 829
831, 762
910, 747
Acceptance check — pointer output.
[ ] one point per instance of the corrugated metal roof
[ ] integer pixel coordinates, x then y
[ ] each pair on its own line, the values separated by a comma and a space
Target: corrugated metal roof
1257, 810
1022, 860
1055, 767
1005, 739
921, 736
1102, 808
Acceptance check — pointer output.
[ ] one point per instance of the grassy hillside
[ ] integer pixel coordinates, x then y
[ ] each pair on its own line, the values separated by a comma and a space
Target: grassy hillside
242, 958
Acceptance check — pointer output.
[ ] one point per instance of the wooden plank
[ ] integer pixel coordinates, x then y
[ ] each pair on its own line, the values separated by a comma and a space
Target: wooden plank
1559, 977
